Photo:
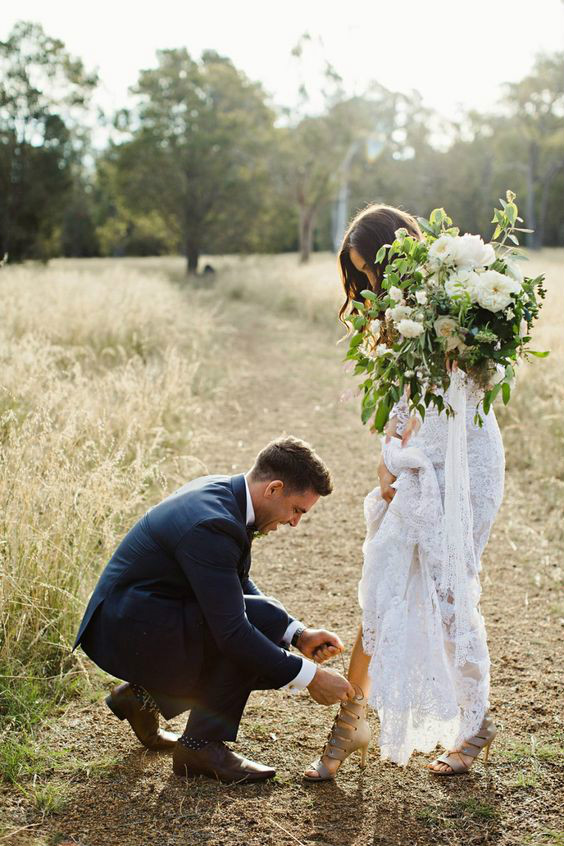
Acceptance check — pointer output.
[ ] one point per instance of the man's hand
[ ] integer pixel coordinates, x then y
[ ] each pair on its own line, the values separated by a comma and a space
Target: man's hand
319, 644
386, 478
329, 686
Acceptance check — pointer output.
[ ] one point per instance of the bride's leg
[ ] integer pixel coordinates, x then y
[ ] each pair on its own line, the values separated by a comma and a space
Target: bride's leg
358, 666
358, 676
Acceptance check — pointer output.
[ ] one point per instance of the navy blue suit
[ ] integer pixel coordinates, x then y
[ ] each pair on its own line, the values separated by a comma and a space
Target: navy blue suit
176, 612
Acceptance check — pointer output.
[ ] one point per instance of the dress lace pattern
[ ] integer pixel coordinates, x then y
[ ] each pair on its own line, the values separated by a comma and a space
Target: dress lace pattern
420, 587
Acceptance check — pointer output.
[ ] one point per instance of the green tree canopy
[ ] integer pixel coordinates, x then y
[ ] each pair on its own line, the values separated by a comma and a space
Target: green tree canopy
44, 92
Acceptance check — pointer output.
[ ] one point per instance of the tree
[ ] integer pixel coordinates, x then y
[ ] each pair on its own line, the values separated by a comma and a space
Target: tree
535, 117
43, 96
196, 152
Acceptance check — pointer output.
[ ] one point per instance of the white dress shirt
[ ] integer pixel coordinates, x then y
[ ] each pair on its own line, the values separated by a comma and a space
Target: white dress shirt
309, 668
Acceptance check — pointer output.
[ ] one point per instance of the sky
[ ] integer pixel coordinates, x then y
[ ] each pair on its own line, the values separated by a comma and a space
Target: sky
457, 55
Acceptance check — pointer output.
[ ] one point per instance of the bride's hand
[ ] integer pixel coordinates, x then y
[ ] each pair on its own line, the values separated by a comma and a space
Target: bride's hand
386, 478
412, 427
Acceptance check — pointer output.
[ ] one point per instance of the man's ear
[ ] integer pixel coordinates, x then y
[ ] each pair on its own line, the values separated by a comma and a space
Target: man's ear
273, 488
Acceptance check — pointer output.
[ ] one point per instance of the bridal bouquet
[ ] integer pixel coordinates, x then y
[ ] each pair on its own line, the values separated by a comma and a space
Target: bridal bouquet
447, 297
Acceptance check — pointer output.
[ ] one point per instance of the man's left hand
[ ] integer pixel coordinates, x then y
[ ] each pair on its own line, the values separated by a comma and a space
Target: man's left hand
319, 644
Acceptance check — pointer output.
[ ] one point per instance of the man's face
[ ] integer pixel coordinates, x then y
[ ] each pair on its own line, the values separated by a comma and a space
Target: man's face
281, 508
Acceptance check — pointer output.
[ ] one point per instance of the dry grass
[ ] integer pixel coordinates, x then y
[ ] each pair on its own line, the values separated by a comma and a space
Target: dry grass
98, 373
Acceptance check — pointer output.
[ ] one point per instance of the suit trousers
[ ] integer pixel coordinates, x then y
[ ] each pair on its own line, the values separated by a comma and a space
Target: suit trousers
221, 693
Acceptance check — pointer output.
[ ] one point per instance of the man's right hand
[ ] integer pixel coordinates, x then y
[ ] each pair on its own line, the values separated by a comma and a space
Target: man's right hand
329, 686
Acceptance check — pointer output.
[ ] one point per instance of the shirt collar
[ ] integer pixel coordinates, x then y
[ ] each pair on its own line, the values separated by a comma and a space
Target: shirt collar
250, 510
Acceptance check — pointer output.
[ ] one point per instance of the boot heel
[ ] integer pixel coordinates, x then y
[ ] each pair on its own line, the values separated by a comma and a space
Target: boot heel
113, 707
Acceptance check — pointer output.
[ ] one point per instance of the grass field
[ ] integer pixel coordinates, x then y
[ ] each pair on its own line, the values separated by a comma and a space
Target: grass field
120, 381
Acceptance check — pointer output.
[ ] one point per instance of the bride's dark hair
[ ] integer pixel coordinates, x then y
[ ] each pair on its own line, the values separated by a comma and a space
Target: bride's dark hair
369, 230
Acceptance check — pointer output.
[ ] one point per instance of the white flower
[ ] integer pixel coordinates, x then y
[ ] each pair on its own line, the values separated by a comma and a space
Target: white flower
461, 282
523, 328
514, 271
421, 297
395, 293
441, 251
447, 327
381, 350
510, 314
470, 251
409, 374
495, 289
374, 328
388, 314
400, 312
410, 328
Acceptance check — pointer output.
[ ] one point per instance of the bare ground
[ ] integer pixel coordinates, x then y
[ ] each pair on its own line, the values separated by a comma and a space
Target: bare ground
286, 377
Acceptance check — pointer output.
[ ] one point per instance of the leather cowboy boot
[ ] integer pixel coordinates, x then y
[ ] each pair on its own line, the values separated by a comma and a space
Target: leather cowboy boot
216, 760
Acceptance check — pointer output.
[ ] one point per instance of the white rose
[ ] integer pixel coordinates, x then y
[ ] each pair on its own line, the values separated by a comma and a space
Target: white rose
409, 374
410, 328
441, 251
395, 293
381, 350
447, 327
470, 251
388, 314
494, 290
461, 282
400, 312
421, 297
514, 271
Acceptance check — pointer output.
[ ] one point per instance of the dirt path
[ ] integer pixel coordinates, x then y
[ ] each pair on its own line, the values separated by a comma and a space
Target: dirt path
288, 379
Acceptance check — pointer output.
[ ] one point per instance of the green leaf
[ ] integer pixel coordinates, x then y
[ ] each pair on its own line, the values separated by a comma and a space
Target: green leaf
506, 392
369, 295
487, 401
381, 254
381, 415
356, 340
538, 354
511, 212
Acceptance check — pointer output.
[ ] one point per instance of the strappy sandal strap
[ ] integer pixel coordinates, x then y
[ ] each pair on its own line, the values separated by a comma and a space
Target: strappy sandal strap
457, 765
324, 773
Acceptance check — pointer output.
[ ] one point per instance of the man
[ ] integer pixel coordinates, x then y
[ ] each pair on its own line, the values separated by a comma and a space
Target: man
176, 614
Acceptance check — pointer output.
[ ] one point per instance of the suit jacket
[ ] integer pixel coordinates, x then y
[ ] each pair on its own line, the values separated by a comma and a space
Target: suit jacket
183, 566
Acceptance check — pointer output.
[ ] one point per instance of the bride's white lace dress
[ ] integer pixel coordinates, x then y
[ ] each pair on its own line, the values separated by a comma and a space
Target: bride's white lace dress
420, 587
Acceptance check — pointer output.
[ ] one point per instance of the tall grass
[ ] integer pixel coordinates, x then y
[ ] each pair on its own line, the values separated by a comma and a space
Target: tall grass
98, 369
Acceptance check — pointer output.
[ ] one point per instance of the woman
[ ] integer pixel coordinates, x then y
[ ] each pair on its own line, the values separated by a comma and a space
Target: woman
420, 656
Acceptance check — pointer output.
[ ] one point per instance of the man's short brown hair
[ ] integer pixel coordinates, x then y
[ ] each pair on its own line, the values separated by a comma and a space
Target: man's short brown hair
295, 463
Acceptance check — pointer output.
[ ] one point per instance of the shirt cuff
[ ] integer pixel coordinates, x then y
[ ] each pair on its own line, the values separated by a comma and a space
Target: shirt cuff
290, 631
304, 677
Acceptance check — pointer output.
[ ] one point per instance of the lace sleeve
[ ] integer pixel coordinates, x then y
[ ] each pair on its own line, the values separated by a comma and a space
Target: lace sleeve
401, 411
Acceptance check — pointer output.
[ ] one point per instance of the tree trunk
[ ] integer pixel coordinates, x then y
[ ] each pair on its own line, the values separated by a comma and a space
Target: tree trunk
551, 171
306, 227
192, 256
531, 221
